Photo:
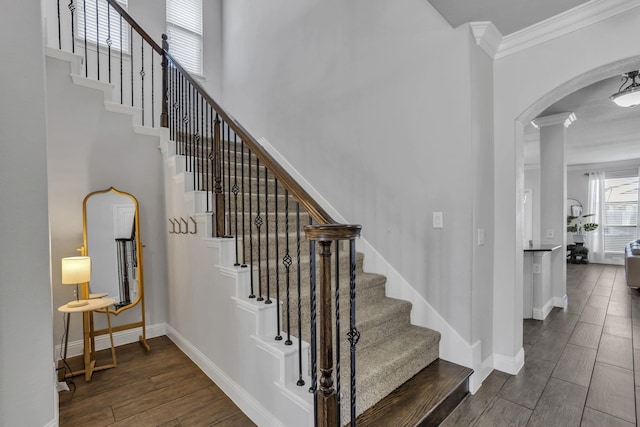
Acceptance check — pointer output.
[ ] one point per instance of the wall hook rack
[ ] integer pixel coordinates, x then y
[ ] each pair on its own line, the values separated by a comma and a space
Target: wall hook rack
186, 226
173, 224
195, 226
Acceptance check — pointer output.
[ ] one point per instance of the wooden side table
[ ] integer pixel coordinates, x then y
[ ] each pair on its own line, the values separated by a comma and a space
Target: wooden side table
88, 336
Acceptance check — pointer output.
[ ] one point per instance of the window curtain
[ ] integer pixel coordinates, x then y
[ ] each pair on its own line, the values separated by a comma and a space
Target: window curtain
595, 239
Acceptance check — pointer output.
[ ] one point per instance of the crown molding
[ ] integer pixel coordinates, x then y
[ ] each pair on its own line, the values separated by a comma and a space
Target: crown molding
555, 119
487, 36
564, 23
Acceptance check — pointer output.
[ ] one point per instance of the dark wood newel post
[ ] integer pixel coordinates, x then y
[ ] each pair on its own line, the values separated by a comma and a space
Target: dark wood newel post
217, 179
164, 115
326, 397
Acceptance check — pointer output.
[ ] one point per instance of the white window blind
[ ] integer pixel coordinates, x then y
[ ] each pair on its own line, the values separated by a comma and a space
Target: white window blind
184, 32
108, 28
620, 209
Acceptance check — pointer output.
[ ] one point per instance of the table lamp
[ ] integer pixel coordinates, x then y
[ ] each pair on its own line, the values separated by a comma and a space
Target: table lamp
76, 270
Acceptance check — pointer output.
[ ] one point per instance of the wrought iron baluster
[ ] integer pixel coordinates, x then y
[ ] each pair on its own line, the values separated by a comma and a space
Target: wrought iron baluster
121, 66
109, 40
244, 243
354, 334
266, 233
208, 150
286, 261
192, 134
184, 111
223, 180
189, 146
218, 176
252, 295
258, 222
197, 140
300, 380
132, 59
153, 92
72, 8
277, 284
337, 333
59, 27
229, 233
142, 75
171, 99
235, 190
202, 162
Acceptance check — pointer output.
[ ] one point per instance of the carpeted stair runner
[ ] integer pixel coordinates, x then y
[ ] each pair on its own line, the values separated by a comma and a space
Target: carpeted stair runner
391, 350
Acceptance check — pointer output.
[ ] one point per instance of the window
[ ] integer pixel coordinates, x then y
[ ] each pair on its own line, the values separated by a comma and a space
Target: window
620, 209
184, 32
108, 27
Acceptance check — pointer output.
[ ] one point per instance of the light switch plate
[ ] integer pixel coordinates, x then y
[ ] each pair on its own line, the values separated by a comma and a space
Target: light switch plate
437, 220
481, 236
550, 233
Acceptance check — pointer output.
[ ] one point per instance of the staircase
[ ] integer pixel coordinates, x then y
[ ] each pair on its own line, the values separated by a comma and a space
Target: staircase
259, 221
390, 350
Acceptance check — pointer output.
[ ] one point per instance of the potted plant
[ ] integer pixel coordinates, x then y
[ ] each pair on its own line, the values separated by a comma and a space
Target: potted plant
578, 226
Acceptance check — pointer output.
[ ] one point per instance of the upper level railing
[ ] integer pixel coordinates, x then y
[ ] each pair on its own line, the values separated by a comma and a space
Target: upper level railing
253, 199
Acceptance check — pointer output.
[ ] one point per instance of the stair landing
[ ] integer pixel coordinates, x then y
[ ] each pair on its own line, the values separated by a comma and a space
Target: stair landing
425, 400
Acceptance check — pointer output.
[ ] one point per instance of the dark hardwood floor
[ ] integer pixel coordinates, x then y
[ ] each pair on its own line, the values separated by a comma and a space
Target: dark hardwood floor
161, 388
582, 363
582, 368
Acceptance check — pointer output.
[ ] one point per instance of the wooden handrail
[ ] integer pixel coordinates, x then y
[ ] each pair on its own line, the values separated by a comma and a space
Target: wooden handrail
135, 26
300, 194
303, 197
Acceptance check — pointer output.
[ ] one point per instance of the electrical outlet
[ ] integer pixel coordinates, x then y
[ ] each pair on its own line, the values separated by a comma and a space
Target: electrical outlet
481, 236
536, 268
550, 233
437, 220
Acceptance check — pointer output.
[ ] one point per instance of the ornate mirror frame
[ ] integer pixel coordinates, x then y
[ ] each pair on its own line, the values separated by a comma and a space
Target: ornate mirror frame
124, 251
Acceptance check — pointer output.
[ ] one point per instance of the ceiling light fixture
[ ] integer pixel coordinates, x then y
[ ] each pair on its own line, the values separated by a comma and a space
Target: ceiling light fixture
629, 96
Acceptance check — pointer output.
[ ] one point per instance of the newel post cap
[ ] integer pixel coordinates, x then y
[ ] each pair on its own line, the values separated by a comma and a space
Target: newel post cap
328, 232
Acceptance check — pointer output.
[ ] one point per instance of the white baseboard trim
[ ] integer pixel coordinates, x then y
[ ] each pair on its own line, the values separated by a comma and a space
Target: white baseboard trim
76, 348
54, 422
510, 365
562, 301
237, 394
478, 377
542, 313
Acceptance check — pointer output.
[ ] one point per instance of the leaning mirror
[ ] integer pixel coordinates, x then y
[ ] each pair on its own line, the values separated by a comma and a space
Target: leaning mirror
112, 240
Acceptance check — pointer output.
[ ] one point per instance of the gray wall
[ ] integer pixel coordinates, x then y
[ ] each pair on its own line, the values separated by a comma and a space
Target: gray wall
482, 192
27, 379
378, 94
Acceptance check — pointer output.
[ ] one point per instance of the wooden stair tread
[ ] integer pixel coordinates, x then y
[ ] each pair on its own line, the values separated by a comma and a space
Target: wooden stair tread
424, 400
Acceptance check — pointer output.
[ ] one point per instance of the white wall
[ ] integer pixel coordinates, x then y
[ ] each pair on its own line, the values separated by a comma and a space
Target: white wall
523, 87
481, 83
27, 377
378, 94
532, 181
91, 149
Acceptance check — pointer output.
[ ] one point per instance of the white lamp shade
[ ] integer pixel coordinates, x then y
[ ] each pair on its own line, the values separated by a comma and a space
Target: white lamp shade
630, 97
76, 270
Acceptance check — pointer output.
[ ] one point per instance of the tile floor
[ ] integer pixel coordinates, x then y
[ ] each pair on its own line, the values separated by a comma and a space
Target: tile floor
582, 363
